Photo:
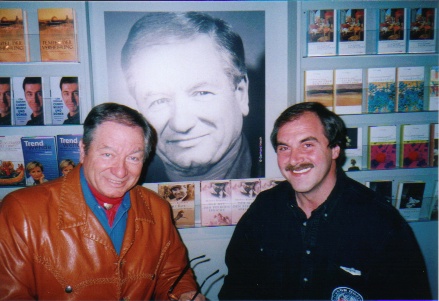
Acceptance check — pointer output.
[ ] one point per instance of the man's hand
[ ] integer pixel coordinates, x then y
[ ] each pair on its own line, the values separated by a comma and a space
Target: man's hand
189, 295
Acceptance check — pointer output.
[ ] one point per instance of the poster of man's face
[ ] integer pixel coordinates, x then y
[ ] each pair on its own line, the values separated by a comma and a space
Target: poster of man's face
199, 79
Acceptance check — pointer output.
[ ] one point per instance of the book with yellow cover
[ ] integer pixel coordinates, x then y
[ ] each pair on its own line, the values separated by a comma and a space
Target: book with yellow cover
13, 38
57, 35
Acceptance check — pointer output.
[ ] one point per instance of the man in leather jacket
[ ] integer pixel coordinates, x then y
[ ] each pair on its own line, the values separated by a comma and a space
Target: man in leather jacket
93, 234
321, 235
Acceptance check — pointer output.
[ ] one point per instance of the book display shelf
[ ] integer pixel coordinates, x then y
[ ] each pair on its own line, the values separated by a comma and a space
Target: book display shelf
343, 64
67, 22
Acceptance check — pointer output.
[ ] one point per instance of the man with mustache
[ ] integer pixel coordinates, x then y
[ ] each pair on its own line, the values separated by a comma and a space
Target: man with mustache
321, 235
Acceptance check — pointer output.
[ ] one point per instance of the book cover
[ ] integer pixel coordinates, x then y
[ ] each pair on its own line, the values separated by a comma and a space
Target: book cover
410, 89
352, 32
216, 203
28, 100
68, 153
57, 35
12, 171
382, 147
348, 97
64, 99
422, 37
319, 87
40, 160
5, 101
13, 35
381, 90
181, 196
392, 37
268, 183
320, 32
354, 149
434, 138
434, 88
414, 145
382, 187
410, 198
244, 192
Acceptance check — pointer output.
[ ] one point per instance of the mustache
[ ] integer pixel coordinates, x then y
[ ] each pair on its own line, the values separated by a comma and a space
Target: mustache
301, 166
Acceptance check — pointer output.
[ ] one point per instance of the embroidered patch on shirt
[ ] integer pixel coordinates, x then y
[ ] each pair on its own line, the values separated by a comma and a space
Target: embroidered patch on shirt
345, 294
351, 271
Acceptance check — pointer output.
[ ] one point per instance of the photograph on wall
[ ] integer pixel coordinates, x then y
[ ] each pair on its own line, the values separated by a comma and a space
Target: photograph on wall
207, 107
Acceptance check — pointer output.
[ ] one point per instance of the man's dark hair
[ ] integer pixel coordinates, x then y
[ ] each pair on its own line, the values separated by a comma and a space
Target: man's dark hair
161, 28
121, 114
68, 80
31, 80
5, 81
335, 129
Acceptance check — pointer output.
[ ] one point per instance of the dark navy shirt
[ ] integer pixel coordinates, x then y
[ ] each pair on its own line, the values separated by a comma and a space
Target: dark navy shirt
355, 246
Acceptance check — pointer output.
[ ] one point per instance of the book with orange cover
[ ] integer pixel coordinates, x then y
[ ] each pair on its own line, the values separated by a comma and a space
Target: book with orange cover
13, 35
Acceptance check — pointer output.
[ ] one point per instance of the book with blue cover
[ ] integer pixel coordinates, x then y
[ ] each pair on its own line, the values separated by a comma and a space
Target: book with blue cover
40, 159
381, 90
68, 154
410, 85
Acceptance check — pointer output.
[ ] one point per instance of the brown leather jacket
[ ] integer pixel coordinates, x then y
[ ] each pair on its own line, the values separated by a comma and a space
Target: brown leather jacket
53, 247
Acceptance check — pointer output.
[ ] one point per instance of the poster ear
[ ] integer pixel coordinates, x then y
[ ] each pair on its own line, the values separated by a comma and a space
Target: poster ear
241, 95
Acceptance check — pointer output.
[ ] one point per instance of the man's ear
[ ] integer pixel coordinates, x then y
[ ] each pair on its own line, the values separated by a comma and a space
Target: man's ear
335, 152
81, 151
241, 95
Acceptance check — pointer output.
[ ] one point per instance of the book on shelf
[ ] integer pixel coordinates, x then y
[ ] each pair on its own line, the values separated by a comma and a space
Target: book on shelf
381, 90
434, 138
409, 199
348, 97
354, 149
28, 100
181, 197
216, 203
5, 101
68, 152
321, 28
414, 145
382, 147
13, 35
12, 171
57, 30
64, 100
433, 204
422, 38
410, 86
244, 192
434, 88
268, 183
392, 25
352, 31
383, 188
319, 87
40, 160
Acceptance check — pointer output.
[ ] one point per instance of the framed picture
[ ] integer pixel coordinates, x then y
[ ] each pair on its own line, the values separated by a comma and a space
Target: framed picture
208, 111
